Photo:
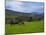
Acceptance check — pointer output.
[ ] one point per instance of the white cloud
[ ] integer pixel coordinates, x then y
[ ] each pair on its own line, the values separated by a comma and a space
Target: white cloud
17, 6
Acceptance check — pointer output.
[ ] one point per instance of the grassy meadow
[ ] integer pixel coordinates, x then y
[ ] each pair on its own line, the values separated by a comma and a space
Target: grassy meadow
28, 27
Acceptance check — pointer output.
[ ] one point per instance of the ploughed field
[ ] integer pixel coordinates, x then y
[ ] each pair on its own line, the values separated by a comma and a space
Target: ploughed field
28, 27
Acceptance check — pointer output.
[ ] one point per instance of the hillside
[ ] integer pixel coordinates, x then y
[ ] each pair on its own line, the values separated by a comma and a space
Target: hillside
13, 14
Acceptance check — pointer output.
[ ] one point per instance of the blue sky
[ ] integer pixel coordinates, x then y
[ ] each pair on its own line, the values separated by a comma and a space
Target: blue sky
26, 7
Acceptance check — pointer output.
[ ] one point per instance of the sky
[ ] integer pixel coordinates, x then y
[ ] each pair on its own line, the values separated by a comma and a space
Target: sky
26, 7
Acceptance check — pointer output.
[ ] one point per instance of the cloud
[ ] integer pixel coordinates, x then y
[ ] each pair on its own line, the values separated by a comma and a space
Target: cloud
13, 5
24, 7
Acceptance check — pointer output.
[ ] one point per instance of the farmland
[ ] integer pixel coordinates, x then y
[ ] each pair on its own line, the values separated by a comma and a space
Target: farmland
28, 27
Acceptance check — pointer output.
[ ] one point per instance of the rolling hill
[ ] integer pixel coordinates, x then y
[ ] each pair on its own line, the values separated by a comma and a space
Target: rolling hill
13, 14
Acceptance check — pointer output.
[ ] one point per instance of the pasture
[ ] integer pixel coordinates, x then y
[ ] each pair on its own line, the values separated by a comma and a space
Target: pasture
28, 27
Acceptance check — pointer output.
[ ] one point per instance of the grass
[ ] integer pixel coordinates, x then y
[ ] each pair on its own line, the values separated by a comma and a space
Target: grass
28, 27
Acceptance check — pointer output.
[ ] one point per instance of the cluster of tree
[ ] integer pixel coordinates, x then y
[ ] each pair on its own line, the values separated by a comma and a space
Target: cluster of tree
22, 19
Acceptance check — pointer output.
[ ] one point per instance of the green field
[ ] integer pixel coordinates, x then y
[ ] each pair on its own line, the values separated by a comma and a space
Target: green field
28, 27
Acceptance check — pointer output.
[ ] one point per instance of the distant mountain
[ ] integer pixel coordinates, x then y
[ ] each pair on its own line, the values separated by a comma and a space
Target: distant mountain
22, 12
16, 13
